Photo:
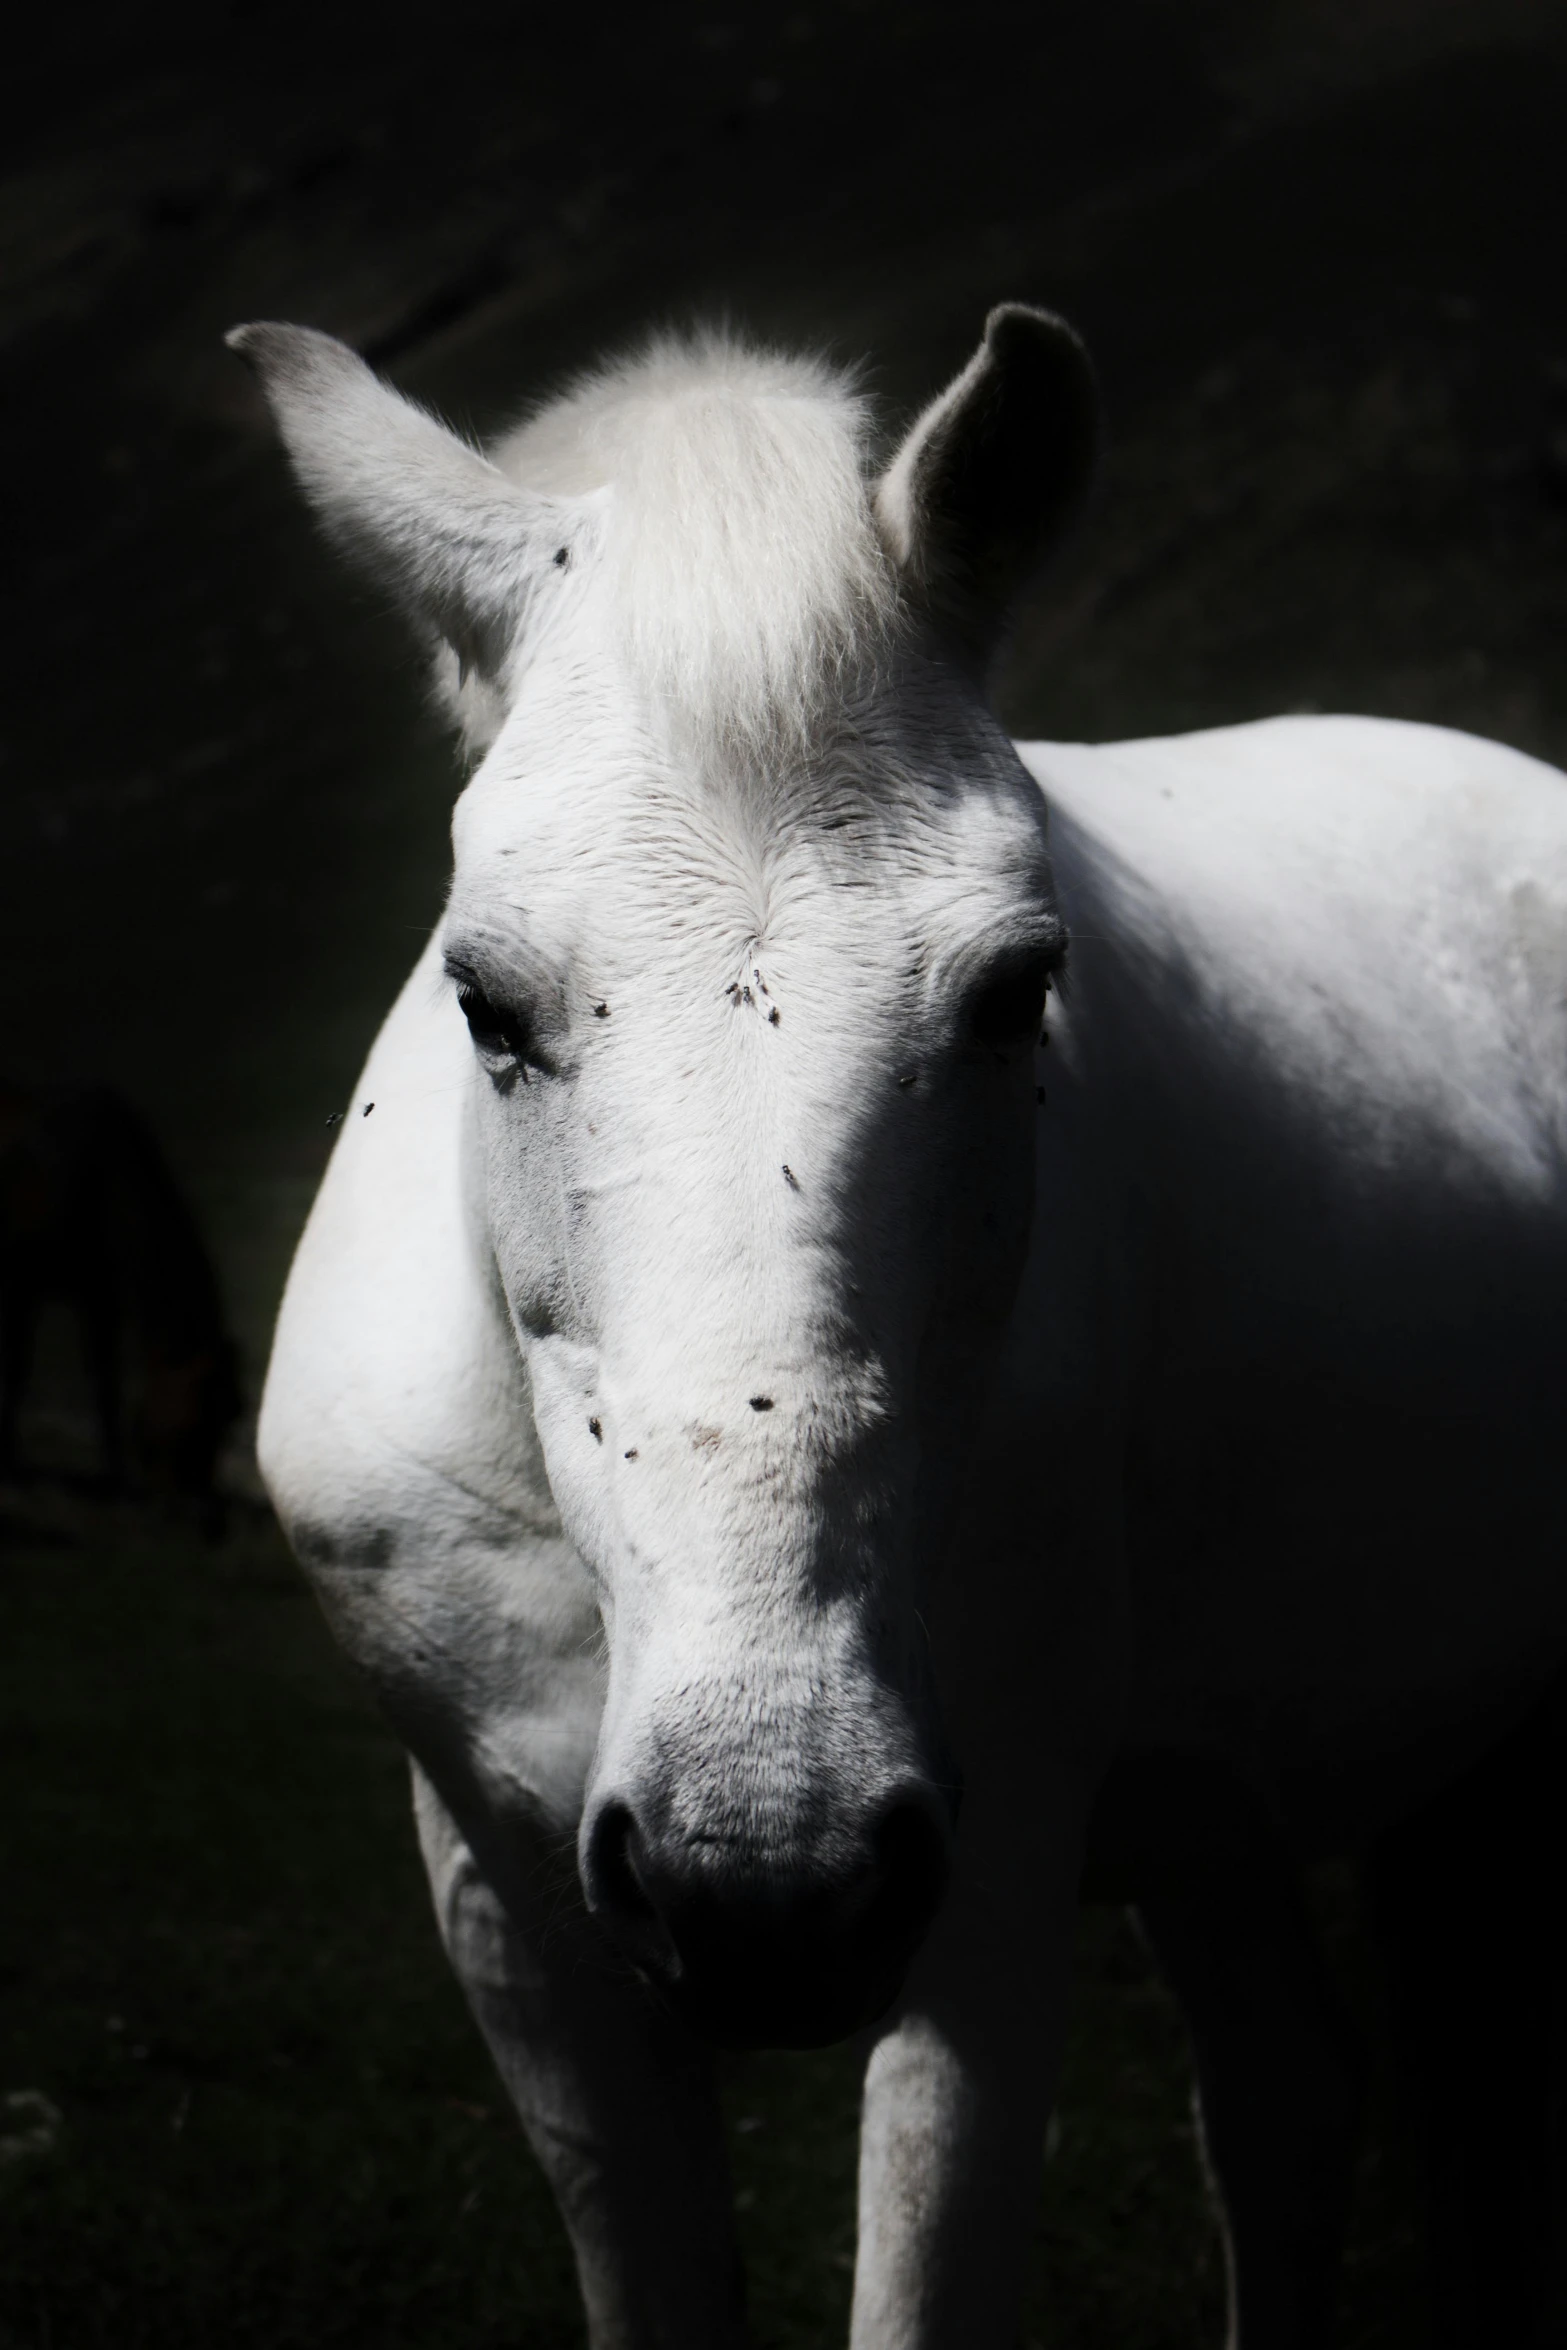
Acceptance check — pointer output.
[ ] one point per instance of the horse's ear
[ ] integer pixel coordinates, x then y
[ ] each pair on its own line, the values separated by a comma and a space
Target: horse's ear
461, 546
992, 471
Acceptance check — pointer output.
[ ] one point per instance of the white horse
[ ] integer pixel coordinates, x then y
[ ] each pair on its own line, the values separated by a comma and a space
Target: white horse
743, 1385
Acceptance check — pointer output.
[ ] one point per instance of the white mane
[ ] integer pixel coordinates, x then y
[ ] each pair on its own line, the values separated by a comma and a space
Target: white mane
742, 557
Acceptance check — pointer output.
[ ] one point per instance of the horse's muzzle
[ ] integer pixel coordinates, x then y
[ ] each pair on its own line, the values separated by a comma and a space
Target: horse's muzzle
770, 1958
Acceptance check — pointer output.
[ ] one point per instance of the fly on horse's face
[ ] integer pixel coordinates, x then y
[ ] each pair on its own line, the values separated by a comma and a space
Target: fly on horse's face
751, 924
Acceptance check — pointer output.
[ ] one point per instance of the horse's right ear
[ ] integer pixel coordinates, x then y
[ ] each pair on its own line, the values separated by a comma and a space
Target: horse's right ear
991, 472
462, 547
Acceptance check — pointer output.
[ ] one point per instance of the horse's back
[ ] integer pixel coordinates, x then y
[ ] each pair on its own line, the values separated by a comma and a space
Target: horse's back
1316, 1021
1370, 916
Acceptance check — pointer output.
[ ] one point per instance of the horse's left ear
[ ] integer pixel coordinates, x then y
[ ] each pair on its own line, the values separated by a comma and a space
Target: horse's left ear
991, 472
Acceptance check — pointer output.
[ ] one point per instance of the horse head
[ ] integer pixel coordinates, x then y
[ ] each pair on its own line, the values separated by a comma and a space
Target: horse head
751, 923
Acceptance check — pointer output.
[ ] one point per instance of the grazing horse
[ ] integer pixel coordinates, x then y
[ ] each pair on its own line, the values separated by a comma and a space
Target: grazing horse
91, 1215
812, 1460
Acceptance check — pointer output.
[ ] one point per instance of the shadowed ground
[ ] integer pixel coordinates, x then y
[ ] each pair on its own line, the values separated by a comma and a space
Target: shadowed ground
1316, 248
276, 2125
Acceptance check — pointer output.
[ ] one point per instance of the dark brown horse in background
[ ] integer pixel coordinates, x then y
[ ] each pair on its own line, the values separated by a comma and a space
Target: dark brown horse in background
91, 1216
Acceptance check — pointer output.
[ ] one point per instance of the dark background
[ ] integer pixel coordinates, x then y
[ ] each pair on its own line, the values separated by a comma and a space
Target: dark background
1317, 249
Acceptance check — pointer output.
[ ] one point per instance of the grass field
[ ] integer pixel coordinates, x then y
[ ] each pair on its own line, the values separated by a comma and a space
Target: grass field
275, 2123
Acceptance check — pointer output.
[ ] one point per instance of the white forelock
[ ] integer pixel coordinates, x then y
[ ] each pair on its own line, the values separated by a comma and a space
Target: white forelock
741, 554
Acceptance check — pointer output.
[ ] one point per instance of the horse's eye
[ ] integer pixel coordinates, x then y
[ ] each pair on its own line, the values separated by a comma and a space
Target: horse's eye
493, 1031
1007, 1013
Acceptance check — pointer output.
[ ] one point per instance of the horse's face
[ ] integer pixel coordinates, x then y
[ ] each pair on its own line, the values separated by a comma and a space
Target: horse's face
756, 1098
753, 1020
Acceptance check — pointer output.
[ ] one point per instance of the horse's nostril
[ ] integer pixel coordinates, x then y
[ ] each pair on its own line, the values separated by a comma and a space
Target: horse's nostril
614, 1883
761, 1953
